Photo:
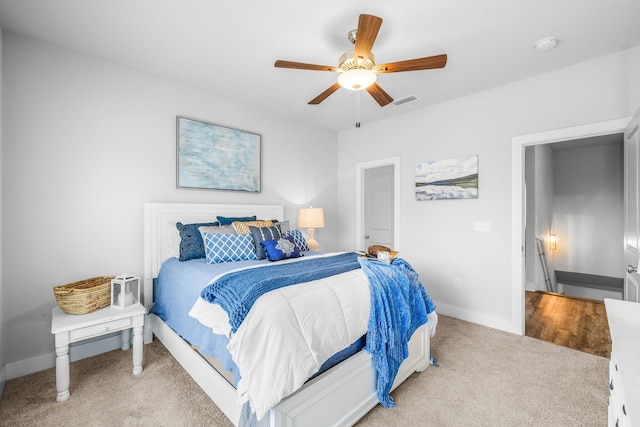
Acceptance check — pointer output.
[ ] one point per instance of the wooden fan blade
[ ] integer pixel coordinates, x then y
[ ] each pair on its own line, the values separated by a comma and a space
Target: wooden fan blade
381, 97
302, 66
368, 27
426, 63
324, 95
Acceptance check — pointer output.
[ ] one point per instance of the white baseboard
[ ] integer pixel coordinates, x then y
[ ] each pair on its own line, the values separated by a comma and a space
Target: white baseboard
77, 351
585, 292
475, 317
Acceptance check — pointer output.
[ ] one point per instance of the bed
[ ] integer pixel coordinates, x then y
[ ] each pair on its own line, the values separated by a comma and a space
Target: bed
339, 396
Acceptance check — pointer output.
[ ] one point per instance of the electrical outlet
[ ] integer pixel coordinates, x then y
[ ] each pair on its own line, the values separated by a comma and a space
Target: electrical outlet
482, 226
457, 282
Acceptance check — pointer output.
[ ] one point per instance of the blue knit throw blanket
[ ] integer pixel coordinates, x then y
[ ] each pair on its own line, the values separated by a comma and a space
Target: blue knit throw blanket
399, 306
236, 292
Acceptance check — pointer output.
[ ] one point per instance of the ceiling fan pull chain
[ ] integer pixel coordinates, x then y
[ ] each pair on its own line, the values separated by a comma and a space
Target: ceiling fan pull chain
358, 109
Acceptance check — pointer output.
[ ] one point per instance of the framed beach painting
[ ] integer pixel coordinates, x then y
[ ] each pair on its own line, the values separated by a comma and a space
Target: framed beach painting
216, 157
455, 178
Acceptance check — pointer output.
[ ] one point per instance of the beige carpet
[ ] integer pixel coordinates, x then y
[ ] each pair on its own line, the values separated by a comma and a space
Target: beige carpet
492, 378
486, 378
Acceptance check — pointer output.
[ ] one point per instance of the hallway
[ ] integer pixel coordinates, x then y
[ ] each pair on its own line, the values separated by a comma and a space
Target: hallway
573, 322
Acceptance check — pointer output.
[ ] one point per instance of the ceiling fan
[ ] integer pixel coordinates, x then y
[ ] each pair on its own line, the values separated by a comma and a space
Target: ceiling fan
358, 69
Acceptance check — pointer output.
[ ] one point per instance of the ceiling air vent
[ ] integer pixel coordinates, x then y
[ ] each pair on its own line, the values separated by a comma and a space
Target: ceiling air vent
405, 100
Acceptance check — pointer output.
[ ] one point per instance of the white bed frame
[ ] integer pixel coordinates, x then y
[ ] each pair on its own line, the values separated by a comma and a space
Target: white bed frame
340, 396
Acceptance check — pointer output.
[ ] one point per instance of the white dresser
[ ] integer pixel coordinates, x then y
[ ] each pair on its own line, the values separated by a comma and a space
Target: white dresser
624, 368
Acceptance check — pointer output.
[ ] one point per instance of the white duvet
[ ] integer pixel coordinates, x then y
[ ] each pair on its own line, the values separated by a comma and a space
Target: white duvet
290, 332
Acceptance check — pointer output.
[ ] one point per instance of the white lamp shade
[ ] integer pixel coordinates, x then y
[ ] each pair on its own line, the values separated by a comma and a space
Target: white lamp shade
311, 218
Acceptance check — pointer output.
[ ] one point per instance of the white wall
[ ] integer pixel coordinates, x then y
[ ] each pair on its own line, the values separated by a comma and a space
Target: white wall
438, 237
2, 366
588, 210
86, 143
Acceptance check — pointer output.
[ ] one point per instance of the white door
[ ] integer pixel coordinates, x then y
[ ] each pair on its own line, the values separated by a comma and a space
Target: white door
378, 206
632, 211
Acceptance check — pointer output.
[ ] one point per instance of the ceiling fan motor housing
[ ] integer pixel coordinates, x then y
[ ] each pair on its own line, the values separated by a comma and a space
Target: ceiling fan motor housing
348, 62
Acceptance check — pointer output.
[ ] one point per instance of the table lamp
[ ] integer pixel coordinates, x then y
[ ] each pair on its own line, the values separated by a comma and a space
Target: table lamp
311, 218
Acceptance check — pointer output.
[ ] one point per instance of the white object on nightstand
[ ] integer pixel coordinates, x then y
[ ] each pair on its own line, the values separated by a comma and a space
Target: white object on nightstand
125, 291
70, 328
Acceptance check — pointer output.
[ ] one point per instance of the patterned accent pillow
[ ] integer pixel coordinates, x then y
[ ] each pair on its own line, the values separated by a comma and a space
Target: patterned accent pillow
298, 239
260, 234
283, 248
223, 220
191, 244
228, 247
242, 227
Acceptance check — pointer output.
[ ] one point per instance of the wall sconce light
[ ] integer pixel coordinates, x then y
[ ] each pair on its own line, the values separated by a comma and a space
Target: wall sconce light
311, 218
553, 242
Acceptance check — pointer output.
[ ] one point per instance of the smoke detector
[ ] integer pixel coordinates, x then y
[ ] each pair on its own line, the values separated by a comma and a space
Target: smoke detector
547, 43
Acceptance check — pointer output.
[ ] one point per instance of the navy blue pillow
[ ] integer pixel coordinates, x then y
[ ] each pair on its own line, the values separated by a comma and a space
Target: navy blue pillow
260, 234
228, 221
283, 248
191, 244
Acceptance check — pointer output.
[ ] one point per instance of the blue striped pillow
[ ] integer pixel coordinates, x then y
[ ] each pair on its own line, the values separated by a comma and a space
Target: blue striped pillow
260, 234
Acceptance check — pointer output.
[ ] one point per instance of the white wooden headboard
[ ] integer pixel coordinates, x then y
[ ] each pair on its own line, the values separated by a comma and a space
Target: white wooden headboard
161, 237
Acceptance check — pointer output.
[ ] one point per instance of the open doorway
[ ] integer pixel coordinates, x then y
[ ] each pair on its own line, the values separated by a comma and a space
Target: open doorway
519, 144
575, 217
574, 225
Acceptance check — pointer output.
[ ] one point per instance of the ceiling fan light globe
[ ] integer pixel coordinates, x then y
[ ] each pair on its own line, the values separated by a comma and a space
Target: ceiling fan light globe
357, 79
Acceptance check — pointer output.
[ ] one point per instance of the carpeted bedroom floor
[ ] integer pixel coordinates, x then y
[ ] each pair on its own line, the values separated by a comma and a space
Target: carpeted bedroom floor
486, 378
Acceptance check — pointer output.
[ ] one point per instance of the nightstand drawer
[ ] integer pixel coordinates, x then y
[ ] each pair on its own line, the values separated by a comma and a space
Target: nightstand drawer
101, 329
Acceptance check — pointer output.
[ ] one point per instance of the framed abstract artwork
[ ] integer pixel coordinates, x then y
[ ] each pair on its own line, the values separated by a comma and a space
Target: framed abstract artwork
216, 157
455, 178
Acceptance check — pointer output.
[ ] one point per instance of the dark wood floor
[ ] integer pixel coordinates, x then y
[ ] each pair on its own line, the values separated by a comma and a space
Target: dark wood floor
573, 322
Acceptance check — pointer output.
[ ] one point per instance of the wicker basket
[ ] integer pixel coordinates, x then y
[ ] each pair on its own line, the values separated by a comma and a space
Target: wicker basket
84, 296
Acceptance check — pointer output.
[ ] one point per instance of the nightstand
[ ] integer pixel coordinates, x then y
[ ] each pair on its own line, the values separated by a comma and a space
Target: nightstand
70, 328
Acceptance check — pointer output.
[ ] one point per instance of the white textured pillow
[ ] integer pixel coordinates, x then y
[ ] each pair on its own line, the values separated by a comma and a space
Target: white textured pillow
220, 229
284, 225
